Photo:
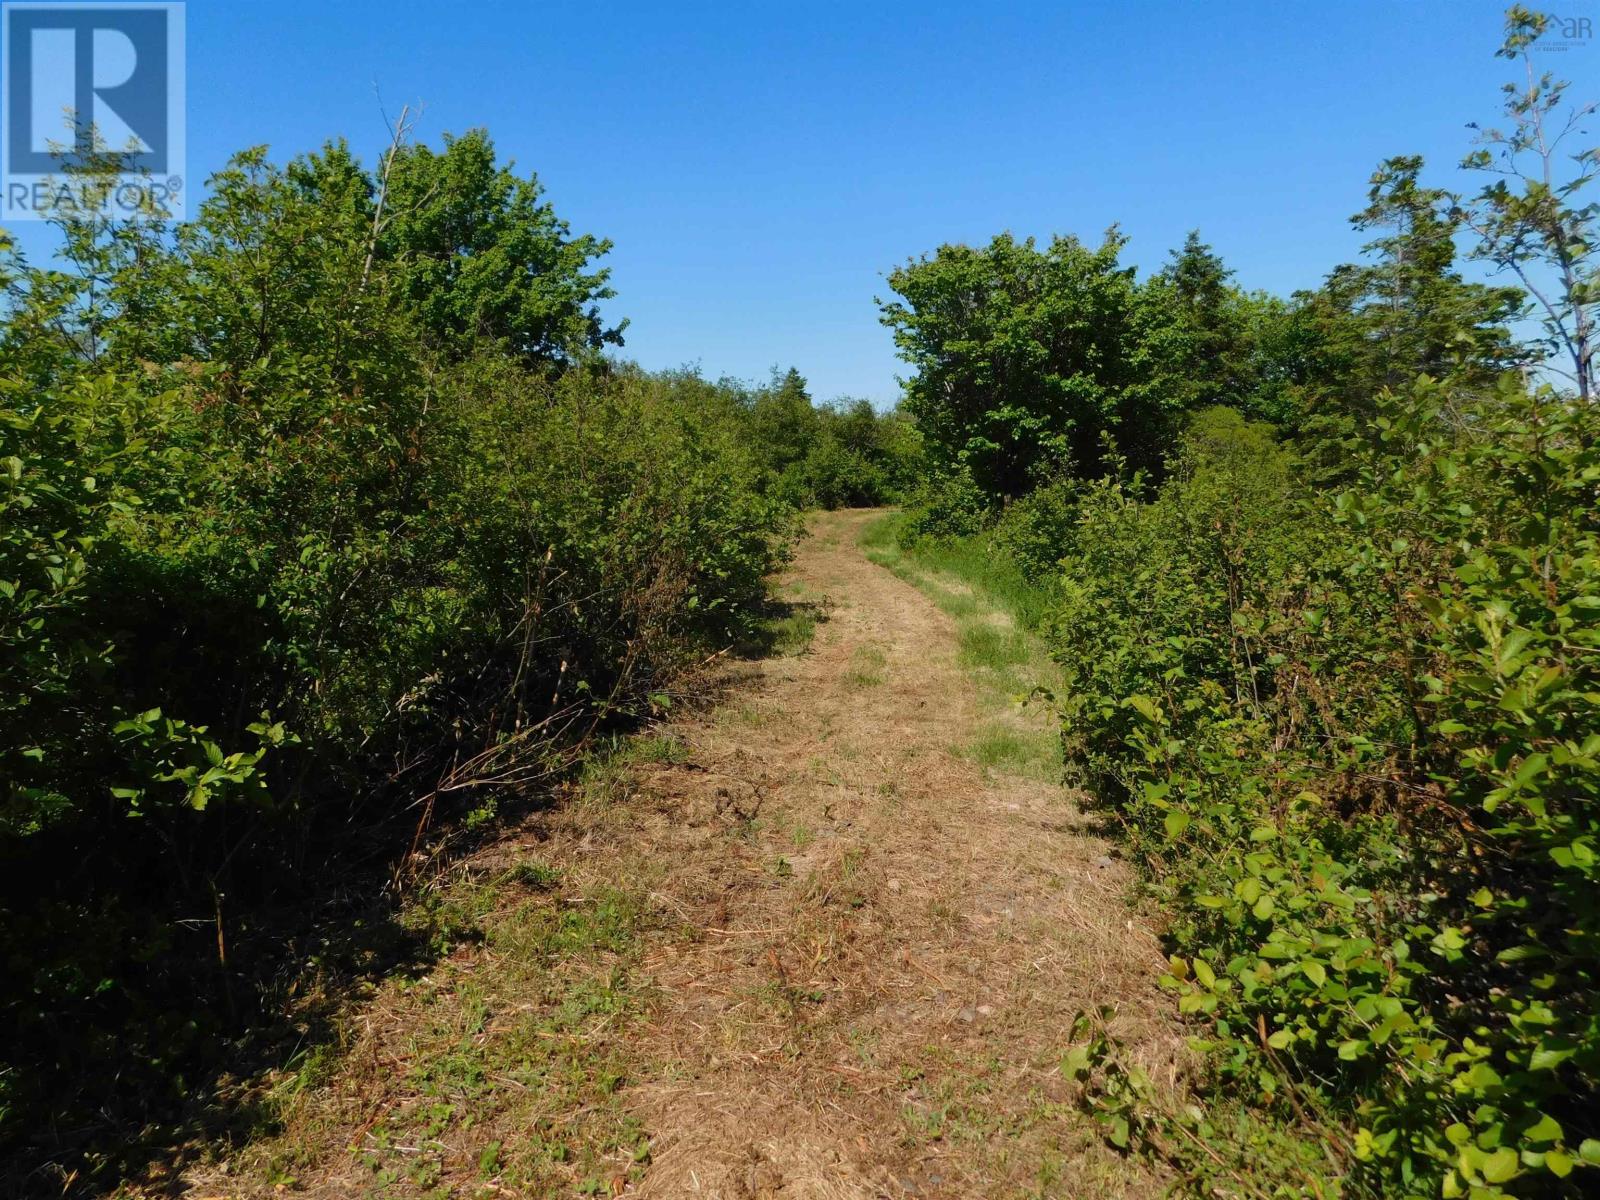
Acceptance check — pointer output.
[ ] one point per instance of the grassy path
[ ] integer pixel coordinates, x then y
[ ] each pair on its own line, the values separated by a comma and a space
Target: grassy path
822, 940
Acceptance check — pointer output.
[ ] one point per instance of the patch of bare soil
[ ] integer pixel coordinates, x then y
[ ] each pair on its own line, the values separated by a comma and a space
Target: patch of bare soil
860, 963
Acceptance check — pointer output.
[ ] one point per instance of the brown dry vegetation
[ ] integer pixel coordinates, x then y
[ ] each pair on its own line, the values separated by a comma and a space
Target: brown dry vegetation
806, 943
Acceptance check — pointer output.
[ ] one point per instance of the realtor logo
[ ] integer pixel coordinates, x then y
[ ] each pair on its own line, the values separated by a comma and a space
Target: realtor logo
1566, 33
87, 84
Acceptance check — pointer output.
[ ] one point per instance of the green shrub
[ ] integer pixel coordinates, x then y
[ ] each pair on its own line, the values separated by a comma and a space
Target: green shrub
1352, 741
839, 455
946, 506
279, 574
1033, 530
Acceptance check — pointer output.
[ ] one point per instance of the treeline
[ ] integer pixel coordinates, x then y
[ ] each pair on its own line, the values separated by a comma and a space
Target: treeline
839, 455
1037, 364
1323, 575
323, 520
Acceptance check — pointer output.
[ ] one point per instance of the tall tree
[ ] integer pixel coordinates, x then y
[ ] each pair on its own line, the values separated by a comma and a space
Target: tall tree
1021, 355
482, 257
1533, 220
1418, 316
1193, 343
783, 420
1402, 313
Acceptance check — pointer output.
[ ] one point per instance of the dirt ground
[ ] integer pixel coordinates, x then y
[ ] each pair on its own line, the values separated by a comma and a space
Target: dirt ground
858, 956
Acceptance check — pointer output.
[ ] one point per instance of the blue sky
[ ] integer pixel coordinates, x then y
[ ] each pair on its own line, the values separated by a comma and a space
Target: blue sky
760, 167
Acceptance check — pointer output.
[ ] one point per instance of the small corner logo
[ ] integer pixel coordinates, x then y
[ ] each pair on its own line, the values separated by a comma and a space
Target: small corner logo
88, 84
1566, 33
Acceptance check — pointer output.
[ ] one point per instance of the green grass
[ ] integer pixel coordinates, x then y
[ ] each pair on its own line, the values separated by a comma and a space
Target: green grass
603, 777
866, 667
1017, 751
973, 561
791, 632
995, 609
988, 647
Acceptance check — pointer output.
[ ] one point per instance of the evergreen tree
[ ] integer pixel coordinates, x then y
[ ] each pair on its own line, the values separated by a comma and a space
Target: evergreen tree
1417, 315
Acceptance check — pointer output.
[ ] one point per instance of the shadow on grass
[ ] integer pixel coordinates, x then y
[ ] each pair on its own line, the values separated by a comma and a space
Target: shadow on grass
786, 628
188, 1055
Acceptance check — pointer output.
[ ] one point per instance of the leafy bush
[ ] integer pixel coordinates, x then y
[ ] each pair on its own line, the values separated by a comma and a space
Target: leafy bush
1352, 740
838, 455
1033, 530
281, 569
946, 505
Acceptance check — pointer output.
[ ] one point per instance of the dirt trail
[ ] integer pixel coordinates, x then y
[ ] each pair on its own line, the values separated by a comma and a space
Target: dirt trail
941, 931
869, 950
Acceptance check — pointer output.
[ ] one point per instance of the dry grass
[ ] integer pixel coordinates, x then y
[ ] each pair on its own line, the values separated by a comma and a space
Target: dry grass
814, 948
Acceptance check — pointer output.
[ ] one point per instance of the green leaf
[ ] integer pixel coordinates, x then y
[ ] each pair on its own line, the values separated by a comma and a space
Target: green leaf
1076, 1062
1176, 823
1501, 1165
1197, 1002
1548, 1058
1315, 971
1119, 1132
1146, 708
1545, 1129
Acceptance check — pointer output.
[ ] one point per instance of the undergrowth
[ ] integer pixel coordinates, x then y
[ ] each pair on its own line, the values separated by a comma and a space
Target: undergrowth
994, 608
509, 1048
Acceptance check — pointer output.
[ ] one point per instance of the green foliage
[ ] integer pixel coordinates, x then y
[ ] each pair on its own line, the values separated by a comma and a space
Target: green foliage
1022, 356
72, 458
1337, 686
1532, 218
1192, 344
482, 257
842, 455
1032, 531
1351, 737
1034, 365
1405, 312
288, 541
946, 505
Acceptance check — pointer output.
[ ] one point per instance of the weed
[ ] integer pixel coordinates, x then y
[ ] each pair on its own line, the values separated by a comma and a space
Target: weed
535, 875
866, 667
790, 628
987, 647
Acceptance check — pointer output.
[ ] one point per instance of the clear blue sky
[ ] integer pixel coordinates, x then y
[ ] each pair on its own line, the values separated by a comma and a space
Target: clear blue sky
760, 167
